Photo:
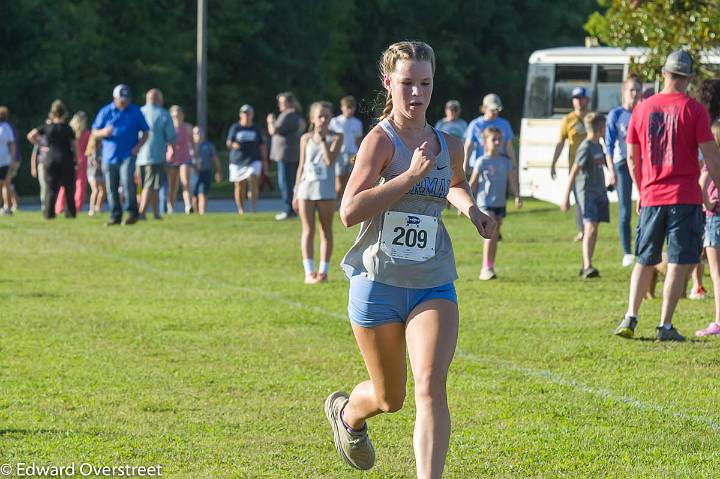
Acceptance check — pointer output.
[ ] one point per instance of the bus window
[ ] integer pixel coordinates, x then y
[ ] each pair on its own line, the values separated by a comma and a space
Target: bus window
568, 77
609, 84
538, 90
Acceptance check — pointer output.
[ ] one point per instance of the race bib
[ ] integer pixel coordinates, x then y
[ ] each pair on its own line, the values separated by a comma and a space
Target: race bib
409, 235
315, 172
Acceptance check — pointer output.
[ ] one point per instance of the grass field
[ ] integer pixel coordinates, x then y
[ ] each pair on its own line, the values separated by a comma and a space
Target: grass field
192, 343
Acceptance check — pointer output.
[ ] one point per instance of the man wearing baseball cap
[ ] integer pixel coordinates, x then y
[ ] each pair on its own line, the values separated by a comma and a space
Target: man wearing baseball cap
474, 143
663, 137
119, 124
572, 130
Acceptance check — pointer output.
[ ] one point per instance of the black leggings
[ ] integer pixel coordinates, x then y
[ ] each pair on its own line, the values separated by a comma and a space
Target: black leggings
57, 174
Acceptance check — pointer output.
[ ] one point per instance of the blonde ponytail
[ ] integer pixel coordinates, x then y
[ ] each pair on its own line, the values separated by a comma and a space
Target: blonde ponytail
388, 106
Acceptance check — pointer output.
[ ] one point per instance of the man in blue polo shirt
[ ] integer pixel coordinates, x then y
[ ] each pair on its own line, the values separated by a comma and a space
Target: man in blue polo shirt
119, 124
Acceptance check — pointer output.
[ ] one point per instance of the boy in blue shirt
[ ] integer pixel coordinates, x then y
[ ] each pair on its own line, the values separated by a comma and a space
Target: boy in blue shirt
207, 158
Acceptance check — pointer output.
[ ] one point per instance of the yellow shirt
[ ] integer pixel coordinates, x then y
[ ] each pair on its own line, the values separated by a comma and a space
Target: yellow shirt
572, 129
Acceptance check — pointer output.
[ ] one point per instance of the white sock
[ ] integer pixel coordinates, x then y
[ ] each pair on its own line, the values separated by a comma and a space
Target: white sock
324, 267
309, 266
667, 327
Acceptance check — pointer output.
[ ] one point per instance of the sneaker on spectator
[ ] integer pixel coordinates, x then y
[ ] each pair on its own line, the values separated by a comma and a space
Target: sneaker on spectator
713, 328
590, 272
487, 274
698, 293
628, 260
672, 334
626, 328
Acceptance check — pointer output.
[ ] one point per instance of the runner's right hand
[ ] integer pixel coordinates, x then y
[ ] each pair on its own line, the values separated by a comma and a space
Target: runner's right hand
423, 160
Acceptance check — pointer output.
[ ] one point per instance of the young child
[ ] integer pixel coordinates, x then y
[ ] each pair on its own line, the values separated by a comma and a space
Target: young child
588, 179
315, 189
95, 175
490, 175
207, 157
352, 130
711, 199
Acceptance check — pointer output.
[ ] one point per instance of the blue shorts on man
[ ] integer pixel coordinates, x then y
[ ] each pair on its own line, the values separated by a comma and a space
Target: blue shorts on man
680, 226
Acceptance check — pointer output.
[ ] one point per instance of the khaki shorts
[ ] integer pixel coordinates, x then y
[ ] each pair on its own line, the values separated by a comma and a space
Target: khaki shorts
151, 176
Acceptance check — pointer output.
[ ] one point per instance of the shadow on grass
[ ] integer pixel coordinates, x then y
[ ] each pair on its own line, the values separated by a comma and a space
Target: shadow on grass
7, 432
33, 294
654, 340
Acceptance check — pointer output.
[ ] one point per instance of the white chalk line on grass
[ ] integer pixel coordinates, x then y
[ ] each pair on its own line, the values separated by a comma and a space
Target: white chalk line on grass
593, 391
546, 375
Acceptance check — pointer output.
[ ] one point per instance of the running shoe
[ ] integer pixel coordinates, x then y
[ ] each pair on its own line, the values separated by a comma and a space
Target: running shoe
354, 447
589, 273
321, 277
281, 216
626, 328
712, 329
698, 293
672, 334
311, 278
487, 274
628, 260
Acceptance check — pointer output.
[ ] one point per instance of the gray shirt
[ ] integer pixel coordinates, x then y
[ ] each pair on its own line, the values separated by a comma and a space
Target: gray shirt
285, 143
162, 133
590, 179
493, 176
407, 245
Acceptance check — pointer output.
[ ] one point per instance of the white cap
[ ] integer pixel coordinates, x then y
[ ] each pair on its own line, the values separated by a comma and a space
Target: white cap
121, 92
492, 101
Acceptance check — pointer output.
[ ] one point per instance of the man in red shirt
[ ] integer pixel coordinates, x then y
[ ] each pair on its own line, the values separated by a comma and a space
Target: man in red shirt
663, 137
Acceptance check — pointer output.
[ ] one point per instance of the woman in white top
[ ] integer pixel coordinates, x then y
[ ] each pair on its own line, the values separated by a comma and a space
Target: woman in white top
315, 189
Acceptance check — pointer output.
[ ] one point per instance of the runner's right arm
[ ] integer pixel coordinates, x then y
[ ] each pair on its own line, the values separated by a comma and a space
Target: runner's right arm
362, 200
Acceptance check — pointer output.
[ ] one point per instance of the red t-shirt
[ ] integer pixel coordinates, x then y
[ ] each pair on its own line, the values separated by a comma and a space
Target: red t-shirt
669, 127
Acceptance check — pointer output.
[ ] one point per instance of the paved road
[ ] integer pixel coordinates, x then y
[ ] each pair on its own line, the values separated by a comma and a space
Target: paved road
214, 206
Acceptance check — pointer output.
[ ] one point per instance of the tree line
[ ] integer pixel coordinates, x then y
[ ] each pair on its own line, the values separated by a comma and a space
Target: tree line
319, 49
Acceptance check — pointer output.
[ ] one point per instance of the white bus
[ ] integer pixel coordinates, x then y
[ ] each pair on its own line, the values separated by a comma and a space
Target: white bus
552, 74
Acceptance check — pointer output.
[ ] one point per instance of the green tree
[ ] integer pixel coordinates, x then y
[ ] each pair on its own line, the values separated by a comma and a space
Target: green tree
78, 50
660, 25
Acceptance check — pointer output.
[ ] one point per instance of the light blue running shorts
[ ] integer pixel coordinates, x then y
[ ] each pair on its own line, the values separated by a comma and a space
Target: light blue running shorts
373, 304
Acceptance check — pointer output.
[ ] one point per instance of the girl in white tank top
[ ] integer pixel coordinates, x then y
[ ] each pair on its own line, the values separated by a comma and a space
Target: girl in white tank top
402, 299
315, 189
